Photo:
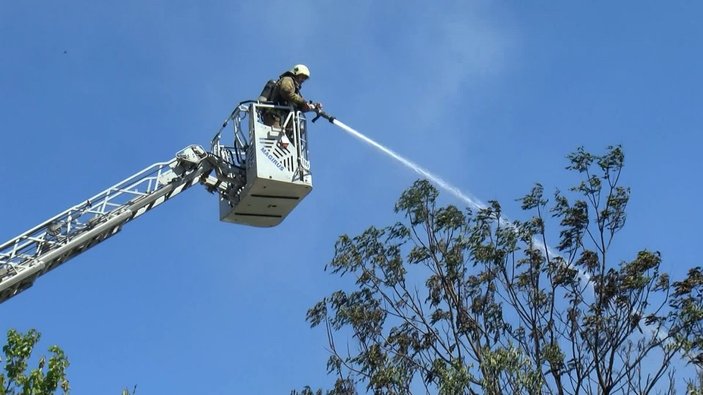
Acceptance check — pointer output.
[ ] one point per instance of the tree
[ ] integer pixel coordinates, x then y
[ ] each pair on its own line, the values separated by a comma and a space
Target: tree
454, 302
694, 386
47, 378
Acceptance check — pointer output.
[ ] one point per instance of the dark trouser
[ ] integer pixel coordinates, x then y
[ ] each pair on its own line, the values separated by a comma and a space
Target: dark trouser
274, 119
271, 118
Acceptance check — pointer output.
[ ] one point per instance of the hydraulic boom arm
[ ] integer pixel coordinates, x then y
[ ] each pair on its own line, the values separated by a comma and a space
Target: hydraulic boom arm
77, 229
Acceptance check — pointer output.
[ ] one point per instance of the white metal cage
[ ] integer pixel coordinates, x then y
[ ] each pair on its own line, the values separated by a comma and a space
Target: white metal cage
275, 158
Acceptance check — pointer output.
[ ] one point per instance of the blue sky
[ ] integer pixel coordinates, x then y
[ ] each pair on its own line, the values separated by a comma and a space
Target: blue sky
489, 95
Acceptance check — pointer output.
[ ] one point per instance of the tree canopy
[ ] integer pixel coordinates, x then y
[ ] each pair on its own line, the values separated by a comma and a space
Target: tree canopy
466, 302
49, 377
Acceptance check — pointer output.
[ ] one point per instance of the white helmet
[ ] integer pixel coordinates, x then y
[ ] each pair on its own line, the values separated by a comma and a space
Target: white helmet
300, 69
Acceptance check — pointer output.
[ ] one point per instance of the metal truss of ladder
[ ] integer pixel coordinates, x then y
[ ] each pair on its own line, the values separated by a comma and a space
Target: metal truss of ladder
77, 229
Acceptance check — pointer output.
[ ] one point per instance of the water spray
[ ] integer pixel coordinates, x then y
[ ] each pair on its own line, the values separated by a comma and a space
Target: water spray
410, 164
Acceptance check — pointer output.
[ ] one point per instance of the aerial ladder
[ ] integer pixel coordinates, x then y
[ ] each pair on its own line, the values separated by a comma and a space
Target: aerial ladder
259, 176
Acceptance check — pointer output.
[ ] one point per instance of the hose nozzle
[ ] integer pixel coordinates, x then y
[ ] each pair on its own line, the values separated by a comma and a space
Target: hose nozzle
323, 115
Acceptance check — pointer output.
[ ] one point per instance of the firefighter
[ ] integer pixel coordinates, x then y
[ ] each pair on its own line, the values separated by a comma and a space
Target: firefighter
286, 92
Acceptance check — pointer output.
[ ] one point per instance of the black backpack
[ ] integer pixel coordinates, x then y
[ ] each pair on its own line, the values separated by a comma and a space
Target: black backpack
266, 94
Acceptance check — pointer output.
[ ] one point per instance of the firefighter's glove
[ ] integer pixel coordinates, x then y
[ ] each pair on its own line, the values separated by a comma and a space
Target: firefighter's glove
310, 106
